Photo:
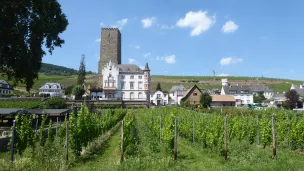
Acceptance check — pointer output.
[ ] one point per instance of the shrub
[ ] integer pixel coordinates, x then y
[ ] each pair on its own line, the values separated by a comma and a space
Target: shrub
55, 103
78, 91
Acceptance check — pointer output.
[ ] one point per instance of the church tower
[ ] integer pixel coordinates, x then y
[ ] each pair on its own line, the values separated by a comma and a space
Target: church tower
147, 81
110, 47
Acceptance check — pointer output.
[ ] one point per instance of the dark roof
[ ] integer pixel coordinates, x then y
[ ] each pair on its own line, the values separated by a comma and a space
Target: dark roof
147, 67
260, 88
130, 68
180, 88
7, 111
237, 89
299, 90
6, 85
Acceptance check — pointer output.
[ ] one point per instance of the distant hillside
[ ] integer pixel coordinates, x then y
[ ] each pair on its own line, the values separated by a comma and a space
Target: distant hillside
50, 69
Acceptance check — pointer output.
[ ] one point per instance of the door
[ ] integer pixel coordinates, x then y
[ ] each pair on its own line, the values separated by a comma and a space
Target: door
158, 102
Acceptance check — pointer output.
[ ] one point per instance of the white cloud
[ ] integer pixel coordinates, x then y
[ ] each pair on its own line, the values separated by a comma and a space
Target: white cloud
120, 23
223, 75
229, 27
102, 24
137, 47
164, 26
169, 59
147, 54
148, 22
230, 60
131, 60
98, 40
197, 21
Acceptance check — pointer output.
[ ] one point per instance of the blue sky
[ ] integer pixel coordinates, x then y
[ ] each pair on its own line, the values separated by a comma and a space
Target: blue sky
232, 37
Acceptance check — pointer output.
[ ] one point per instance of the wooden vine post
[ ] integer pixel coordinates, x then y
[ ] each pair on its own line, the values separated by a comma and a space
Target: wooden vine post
193, 130
13, 139
175, 140
226, 137
274, 138
67, 141
160, 129
122, 141
258, 133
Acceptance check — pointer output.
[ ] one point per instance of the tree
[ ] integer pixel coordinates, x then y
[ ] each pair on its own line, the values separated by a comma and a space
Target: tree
158, 87
258, 98
78, 91
292, 98
205, 100
55, 103
26, 26
81, 72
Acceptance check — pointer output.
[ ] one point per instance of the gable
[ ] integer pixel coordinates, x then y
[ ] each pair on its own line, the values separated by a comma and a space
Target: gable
192, 92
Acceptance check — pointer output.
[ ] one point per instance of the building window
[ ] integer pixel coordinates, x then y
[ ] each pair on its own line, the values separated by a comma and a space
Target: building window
132, 77
122, 76
158, 96
146, 85
151, 101
122, 95
140, 77
131, 85
173, 93
122, 85
146, 75
194, 94
131, 95
139, 95
248, 101
139, 85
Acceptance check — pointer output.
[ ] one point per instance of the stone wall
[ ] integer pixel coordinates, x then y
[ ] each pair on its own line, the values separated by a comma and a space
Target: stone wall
110, 47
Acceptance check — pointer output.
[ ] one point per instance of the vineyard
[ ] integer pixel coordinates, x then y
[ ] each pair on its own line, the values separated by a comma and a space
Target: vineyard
160, 139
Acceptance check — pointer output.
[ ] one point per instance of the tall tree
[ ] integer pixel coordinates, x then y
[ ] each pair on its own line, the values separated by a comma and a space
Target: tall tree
81, 72
292, 98
158, 87
258, 98
205, 100
26, 26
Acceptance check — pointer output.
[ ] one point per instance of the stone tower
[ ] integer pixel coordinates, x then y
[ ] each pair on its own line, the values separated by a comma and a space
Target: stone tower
110, 47
147, 81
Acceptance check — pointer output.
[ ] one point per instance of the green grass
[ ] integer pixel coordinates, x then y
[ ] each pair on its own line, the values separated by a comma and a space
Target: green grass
278, 85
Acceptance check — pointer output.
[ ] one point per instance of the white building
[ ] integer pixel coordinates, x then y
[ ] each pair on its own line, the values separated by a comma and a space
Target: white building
125, 82
176, 94
159, 98
52, 90
241, 93
5, 88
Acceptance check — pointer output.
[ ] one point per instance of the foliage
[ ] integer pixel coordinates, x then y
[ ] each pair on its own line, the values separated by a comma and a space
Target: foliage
41, 133
185, 103
85, 127
50, 138
158, 87
25, 28
258, 98
68, 90
55, 103
292, 98
205, 99
21, 103
81, 72
51, 69
24, 134
130, 133
78, 91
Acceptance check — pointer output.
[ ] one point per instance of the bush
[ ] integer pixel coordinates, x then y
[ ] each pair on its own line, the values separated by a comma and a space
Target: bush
55, 103
78, 91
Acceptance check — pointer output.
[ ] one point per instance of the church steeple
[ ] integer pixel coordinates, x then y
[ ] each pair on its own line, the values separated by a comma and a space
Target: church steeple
147, 67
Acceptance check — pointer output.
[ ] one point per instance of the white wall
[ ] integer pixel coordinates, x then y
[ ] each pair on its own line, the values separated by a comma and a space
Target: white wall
164, 100
246, 98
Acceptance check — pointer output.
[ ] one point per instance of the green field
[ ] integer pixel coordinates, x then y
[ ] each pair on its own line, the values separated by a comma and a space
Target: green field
203, 82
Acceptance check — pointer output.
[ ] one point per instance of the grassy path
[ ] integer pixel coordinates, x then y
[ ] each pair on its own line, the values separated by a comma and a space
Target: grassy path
107, 158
